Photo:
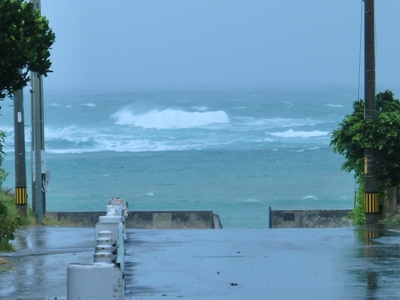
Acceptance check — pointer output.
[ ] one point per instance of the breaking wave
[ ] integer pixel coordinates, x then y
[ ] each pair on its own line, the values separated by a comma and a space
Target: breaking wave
88, 104
169, 118
309, 197
300, 134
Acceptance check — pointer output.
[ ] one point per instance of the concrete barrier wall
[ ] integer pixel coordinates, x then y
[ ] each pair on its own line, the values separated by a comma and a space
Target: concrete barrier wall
309, 218
145, 219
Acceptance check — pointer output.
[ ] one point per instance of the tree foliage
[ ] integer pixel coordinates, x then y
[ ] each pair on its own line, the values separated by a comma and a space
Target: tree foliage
25, 41
354, 134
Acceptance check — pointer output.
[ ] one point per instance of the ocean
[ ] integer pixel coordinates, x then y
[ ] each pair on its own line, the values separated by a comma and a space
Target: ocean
236, 152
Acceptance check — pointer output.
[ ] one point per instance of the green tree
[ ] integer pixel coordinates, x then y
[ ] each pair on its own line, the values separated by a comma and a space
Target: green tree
25, 41
354, 134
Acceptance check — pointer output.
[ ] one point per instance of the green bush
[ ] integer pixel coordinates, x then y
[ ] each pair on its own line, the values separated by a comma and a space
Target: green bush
357, 216
9, 221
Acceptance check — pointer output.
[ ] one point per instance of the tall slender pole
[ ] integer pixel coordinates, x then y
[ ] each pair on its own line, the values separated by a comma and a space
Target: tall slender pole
371, 179
37, 205
21, 197
38, 159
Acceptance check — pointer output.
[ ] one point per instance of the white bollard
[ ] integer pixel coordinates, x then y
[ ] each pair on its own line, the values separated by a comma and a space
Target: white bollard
103, 279
99, 281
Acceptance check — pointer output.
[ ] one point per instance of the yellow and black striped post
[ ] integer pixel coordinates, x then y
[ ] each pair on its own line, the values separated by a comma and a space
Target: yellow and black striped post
371, 208
21, 196
21, 201
371, 203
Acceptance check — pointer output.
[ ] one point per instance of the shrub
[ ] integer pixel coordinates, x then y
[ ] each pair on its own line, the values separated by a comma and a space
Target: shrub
9, 222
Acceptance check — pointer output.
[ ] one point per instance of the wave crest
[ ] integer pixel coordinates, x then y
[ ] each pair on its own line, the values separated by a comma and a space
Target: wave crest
169, 118
300, 134
309, 197
69, 133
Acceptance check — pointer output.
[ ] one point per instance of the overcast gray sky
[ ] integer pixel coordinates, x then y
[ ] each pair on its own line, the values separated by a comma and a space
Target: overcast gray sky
124, 44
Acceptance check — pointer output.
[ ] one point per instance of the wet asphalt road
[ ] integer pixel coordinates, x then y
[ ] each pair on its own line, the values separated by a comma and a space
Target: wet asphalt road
337, 263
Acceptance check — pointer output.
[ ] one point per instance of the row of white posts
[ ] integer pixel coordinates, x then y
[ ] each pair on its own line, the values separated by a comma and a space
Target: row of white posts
104, 278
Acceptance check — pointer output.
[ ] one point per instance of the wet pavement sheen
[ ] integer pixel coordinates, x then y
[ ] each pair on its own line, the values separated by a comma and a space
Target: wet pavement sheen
337, 263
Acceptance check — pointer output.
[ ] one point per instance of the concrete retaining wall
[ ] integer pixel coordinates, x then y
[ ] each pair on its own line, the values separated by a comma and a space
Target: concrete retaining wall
145, 219
308, 218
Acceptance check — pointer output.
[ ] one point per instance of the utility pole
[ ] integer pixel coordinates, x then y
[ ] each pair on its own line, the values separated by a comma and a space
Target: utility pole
38, 159
371, 179
21, 197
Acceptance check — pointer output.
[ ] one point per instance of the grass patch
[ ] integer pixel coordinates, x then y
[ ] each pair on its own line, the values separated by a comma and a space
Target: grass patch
5, 265
51, 222
3, 261
6, 246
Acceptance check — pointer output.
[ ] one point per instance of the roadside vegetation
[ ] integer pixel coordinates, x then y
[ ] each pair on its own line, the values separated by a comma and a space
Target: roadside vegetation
26, 40
5, 265
355, 134
9, 220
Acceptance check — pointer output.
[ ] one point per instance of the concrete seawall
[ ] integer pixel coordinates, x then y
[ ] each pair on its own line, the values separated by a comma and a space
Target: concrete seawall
207, 219
308, 218
146, 219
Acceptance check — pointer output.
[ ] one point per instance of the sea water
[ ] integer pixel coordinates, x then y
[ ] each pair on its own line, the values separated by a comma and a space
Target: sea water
234, 151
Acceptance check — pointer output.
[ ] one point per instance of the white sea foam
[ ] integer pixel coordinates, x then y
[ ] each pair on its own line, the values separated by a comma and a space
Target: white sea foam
54, 104
250, 200
70, 134
309, 197
88, 104
334, 105
169, 118
300, 134
73, 139
68, 151
278, 122
110, 144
